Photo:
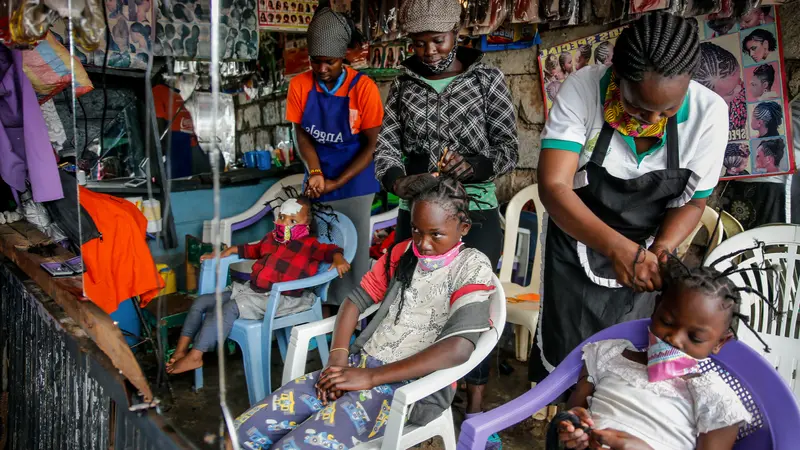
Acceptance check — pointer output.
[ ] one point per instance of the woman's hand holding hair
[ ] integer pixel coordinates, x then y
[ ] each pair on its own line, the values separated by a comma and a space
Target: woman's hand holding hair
455, 166
410, 185
573, 437
635, 266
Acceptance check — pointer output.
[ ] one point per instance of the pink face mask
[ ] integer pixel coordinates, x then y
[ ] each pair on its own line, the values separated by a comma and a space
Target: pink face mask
665, 362
429, 263
285, 233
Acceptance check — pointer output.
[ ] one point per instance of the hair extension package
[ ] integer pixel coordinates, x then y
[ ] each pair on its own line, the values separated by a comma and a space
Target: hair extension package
526, 11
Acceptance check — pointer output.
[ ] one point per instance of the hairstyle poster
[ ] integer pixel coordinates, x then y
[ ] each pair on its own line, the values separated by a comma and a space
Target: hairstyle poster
277, 15
183, 29
742, 61
557, 63
130, 25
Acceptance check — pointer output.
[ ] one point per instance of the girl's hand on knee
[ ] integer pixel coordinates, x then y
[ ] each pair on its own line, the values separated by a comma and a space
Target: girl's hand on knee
573, 437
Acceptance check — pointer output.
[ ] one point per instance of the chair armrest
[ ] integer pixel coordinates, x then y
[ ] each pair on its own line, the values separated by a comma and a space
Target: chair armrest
207, 270
475, 431
295, 365
304, 283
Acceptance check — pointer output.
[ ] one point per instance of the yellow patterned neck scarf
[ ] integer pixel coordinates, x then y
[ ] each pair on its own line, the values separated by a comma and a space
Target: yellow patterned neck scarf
615, 115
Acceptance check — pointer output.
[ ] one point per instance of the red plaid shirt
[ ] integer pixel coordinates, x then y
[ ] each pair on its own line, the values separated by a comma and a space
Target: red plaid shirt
276, 262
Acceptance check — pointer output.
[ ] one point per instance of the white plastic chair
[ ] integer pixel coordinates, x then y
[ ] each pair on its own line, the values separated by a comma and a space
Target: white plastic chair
253, 214
710, 221
524, 314
398, 435
781, 250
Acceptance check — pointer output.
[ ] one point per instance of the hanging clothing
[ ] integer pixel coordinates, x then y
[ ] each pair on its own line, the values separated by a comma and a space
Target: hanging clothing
184, 140
64, 212
630, 192
326, 118
26, 154
118, 264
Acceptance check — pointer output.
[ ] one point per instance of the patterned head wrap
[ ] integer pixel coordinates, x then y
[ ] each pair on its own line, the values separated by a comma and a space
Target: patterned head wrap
329, 34
437, 16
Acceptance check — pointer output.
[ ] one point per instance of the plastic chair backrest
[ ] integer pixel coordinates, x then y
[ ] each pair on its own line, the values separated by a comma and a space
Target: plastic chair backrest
776, 415
778, 247
512, 216
731, 226
709, 220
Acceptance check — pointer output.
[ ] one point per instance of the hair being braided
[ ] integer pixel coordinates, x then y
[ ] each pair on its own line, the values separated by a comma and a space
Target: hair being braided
453, 198
657, 42
710, 281
317, 210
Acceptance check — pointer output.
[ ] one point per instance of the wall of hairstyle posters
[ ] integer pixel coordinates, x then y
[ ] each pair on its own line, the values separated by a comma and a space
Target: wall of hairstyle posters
130, 24
557, 63
743, 63
278, 15
183, 29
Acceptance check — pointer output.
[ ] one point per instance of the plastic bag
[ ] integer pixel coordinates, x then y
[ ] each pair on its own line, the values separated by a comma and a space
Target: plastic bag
526, 11
479, 13
48, 68
568, 10
497, 15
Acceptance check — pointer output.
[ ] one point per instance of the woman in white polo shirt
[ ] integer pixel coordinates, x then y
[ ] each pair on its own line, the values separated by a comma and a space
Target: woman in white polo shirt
629, 155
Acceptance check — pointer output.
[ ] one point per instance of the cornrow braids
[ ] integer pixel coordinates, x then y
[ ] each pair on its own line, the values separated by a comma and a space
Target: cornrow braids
773, 148
765, 73
657, 42
771, 114
709, 280
601, 52
716, 63
318, 210
453, 198
585, 50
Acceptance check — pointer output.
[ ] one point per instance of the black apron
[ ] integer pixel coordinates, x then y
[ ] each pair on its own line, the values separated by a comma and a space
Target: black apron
580, 293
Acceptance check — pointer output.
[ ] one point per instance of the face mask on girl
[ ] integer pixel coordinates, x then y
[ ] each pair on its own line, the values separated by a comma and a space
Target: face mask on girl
665, 362
432, 262
286, 233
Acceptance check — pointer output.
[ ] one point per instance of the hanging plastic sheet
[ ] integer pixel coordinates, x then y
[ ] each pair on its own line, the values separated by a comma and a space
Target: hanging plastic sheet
497, 15
202, 111
526, 11
389, 13
569, 10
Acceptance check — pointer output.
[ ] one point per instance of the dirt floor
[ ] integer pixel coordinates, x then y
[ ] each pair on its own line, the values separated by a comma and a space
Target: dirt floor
197, 415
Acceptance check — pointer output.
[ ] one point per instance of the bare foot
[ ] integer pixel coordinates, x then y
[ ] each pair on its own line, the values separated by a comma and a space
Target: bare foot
187, 363
175, 357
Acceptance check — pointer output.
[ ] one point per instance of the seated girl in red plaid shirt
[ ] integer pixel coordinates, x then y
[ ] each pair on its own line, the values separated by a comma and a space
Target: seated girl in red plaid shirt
286, 254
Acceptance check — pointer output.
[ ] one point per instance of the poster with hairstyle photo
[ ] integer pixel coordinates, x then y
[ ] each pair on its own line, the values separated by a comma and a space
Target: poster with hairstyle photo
559, 62
278, 15
741, 61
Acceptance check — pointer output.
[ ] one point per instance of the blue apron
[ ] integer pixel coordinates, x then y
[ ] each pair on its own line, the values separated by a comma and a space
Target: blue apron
327, 120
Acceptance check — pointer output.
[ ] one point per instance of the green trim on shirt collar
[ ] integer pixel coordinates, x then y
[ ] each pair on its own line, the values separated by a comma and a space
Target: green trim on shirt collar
703, 194
682, 116
560, 144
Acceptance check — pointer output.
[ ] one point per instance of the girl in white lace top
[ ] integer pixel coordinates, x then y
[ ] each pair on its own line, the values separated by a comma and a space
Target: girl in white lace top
658, 398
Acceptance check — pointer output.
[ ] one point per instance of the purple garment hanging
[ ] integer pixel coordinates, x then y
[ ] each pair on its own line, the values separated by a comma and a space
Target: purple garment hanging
25, 149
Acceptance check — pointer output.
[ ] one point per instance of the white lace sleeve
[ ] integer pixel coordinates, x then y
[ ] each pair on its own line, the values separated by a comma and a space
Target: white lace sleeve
716, 405
596, 356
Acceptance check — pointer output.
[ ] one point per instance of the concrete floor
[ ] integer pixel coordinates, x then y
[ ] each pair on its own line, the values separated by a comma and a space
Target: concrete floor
197, 415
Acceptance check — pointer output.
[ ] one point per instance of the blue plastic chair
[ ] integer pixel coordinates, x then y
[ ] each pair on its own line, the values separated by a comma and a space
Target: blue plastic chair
255, 336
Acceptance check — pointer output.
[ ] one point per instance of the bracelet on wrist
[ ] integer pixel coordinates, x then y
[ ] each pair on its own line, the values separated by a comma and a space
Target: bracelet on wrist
313, 172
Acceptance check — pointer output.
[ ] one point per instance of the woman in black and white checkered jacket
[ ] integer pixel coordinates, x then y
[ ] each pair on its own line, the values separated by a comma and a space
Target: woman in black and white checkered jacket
452, 114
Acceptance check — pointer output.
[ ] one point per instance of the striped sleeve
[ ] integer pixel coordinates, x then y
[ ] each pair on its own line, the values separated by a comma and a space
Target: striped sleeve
469, 303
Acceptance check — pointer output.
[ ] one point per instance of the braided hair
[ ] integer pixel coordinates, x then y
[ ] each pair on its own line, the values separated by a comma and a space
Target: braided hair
765, 73
585, 52
735, 155
710, 281
602, 51
657, 42
774, 148
771, 114
316, 210
716, 63
452, 197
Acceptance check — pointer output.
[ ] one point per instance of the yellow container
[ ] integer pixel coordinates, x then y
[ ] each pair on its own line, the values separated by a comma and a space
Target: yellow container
170, 283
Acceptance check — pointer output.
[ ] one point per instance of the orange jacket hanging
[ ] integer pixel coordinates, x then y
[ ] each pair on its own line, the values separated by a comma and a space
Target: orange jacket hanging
118, 265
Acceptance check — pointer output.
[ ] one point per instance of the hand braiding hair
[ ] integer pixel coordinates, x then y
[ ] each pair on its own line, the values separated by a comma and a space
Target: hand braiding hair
715, 64
711, 281
657, 42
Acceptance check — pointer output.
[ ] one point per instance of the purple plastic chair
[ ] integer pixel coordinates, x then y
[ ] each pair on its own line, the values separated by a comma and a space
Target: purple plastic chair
776, 415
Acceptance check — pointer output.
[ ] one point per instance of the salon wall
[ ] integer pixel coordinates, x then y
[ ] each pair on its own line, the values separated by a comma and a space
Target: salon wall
258, 121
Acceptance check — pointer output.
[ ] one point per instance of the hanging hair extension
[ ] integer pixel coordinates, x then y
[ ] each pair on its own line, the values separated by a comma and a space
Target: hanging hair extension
451, 196
317, 210
709, 280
